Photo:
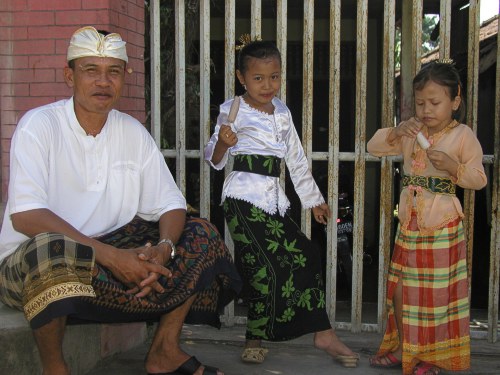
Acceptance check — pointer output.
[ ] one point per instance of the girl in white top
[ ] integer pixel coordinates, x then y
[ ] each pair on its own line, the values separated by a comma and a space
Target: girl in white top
280, 264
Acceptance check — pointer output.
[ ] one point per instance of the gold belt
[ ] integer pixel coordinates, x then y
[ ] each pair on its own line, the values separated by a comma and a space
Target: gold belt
438, 185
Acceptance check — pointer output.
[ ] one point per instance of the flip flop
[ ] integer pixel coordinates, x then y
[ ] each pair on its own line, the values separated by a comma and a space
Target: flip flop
386, 360
426, 368
254, 355
189, 368
347, 360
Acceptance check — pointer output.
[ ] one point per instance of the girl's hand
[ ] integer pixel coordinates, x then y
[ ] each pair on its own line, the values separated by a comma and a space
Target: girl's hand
321, 213
409, 128
441, 161
227, 137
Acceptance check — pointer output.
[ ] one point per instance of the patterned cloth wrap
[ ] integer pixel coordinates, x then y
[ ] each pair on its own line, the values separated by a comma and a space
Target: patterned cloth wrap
438, 185
432, 270
51, 275
281, 266
260, 164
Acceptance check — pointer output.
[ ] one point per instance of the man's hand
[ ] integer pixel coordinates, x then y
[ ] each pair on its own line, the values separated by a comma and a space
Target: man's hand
140, 269
155, 255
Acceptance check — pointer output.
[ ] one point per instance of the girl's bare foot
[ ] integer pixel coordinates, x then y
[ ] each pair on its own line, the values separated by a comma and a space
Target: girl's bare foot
330, 343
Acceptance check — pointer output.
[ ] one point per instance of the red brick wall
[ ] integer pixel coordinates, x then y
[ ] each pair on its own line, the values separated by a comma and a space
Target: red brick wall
34, 36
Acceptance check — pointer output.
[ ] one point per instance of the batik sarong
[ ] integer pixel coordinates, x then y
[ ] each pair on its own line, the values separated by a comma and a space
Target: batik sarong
283, 270
50, 275
433, 272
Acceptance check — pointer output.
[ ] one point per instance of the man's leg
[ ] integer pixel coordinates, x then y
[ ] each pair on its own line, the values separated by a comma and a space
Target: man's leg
165, 354
49, 340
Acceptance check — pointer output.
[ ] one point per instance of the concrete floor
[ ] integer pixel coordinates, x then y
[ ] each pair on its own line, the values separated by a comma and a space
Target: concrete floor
222, 348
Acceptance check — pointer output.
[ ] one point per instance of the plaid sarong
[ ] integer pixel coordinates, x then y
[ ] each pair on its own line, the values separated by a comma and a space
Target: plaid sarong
50, 275
433, 272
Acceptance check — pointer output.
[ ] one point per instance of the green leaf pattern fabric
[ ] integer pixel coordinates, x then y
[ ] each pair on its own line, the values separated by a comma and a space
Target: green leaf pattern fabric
283, 270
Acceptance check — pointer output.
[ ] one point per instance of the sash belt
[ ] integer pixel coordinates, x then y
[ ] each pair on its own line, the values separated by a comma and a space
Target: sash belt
436, 185
260, 164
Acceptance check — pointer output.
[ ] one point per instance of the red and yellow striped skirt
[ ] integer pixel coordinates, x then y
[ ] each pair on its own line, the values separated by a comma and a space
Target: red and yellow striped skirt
435, 313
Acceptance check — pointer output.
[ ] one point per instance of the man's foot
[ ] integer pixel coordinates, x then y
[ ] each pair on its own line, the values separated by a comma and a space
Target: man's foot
387, 360
191, 367
57, 369
184, 364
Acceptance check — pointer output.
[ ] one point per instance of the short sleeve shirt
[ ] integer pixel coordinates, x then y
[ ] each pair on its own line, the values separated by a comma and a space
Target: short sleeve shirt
97, 184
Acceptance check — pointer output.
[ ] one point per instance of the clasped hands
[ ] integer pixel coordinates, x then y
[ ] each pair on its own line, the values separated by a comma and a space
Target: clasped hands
140, 269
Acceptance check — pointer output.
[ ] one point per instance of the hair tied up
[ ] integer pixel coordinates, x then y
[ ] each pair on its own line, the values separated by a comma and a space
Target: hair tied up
446, 61
245, 40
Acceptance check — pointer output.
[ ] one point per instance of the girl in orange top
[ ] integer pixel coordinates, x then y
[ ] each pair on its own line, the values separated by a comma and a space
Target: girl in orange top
427, 295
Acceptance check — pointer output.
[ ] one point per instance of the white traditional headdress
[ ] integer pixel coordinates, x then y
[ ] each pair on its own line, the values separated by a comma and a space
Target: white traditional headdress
88, 42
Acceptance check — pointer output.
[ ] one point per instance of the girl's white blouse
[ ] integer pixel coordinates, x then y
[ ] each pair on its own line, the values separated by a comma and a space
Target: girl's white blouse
260, 133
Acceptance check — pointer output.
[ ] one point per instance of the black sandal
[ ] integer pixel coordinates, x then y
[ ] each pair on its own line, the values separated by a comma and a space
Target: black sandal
189, 368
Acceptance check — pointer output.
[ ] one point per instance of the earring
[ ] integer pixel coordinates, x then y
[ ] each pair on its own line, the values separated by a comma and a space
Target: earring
245, 87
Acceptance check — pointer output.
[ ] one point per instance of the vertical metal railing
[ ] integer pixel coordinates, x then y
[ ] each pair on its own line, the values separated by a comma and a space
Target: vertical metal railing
494, 279
180, 94
205, 125
333, 154
412, 13
386, 175
229, 80
307, 95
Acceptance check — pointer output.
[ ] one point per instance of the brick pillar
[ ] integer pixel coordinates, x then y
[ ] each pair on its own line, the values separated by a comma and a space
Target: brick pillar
34, 36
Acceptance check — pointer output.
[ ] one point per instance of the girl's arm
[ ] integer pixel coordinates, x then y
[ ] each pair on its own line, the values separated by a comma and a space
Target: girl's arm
216, 148
463, 163
226, 138
388, 141
300, 174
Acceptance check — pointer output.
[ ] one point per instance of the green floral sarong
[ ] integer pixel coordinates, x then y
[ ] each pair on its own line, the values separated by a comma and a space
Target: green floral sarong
283, 270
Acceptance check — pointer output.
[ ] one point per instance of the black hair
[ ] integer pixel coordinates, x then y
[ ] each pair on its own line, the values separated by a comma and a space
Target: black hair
258, 49
444, 74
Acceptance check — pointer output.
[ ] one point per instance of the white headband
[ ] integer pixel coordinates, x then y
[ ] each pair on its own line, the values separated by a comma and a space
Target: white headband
88, 42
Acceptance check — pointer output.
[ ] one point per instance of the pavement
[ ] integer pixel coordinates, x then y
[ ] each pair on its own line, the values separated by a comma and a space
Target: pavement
222, 349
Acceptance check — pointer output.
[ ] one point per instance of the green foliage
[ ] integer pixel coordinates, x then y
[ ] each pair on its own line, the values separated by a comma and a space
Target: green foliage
168, 68
429, 22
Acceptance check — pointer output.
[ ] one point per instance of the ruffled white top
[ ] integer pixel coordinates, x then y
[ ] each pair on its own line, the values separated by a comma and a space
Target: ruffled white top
260, 133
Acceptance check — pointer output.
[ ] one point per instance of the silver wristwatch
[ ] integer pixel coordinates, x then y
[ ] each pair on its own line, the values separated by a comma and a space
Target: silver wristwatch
170, 243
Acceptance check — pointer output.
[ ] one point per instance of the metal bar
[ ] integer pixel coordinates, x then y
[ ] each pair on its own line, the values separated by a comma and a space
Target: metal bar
204, 105
333, 156
154, 32
281, 38
472, 98
229, 79
494, 280
359, 164
229, 50
180, 94
386, 175
307, 96
256, 19
410, 53
444, 29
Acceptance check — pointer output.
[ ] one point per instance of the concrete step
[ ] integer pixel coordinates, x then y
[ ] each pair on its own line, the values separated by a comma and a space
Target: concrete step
84, 345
